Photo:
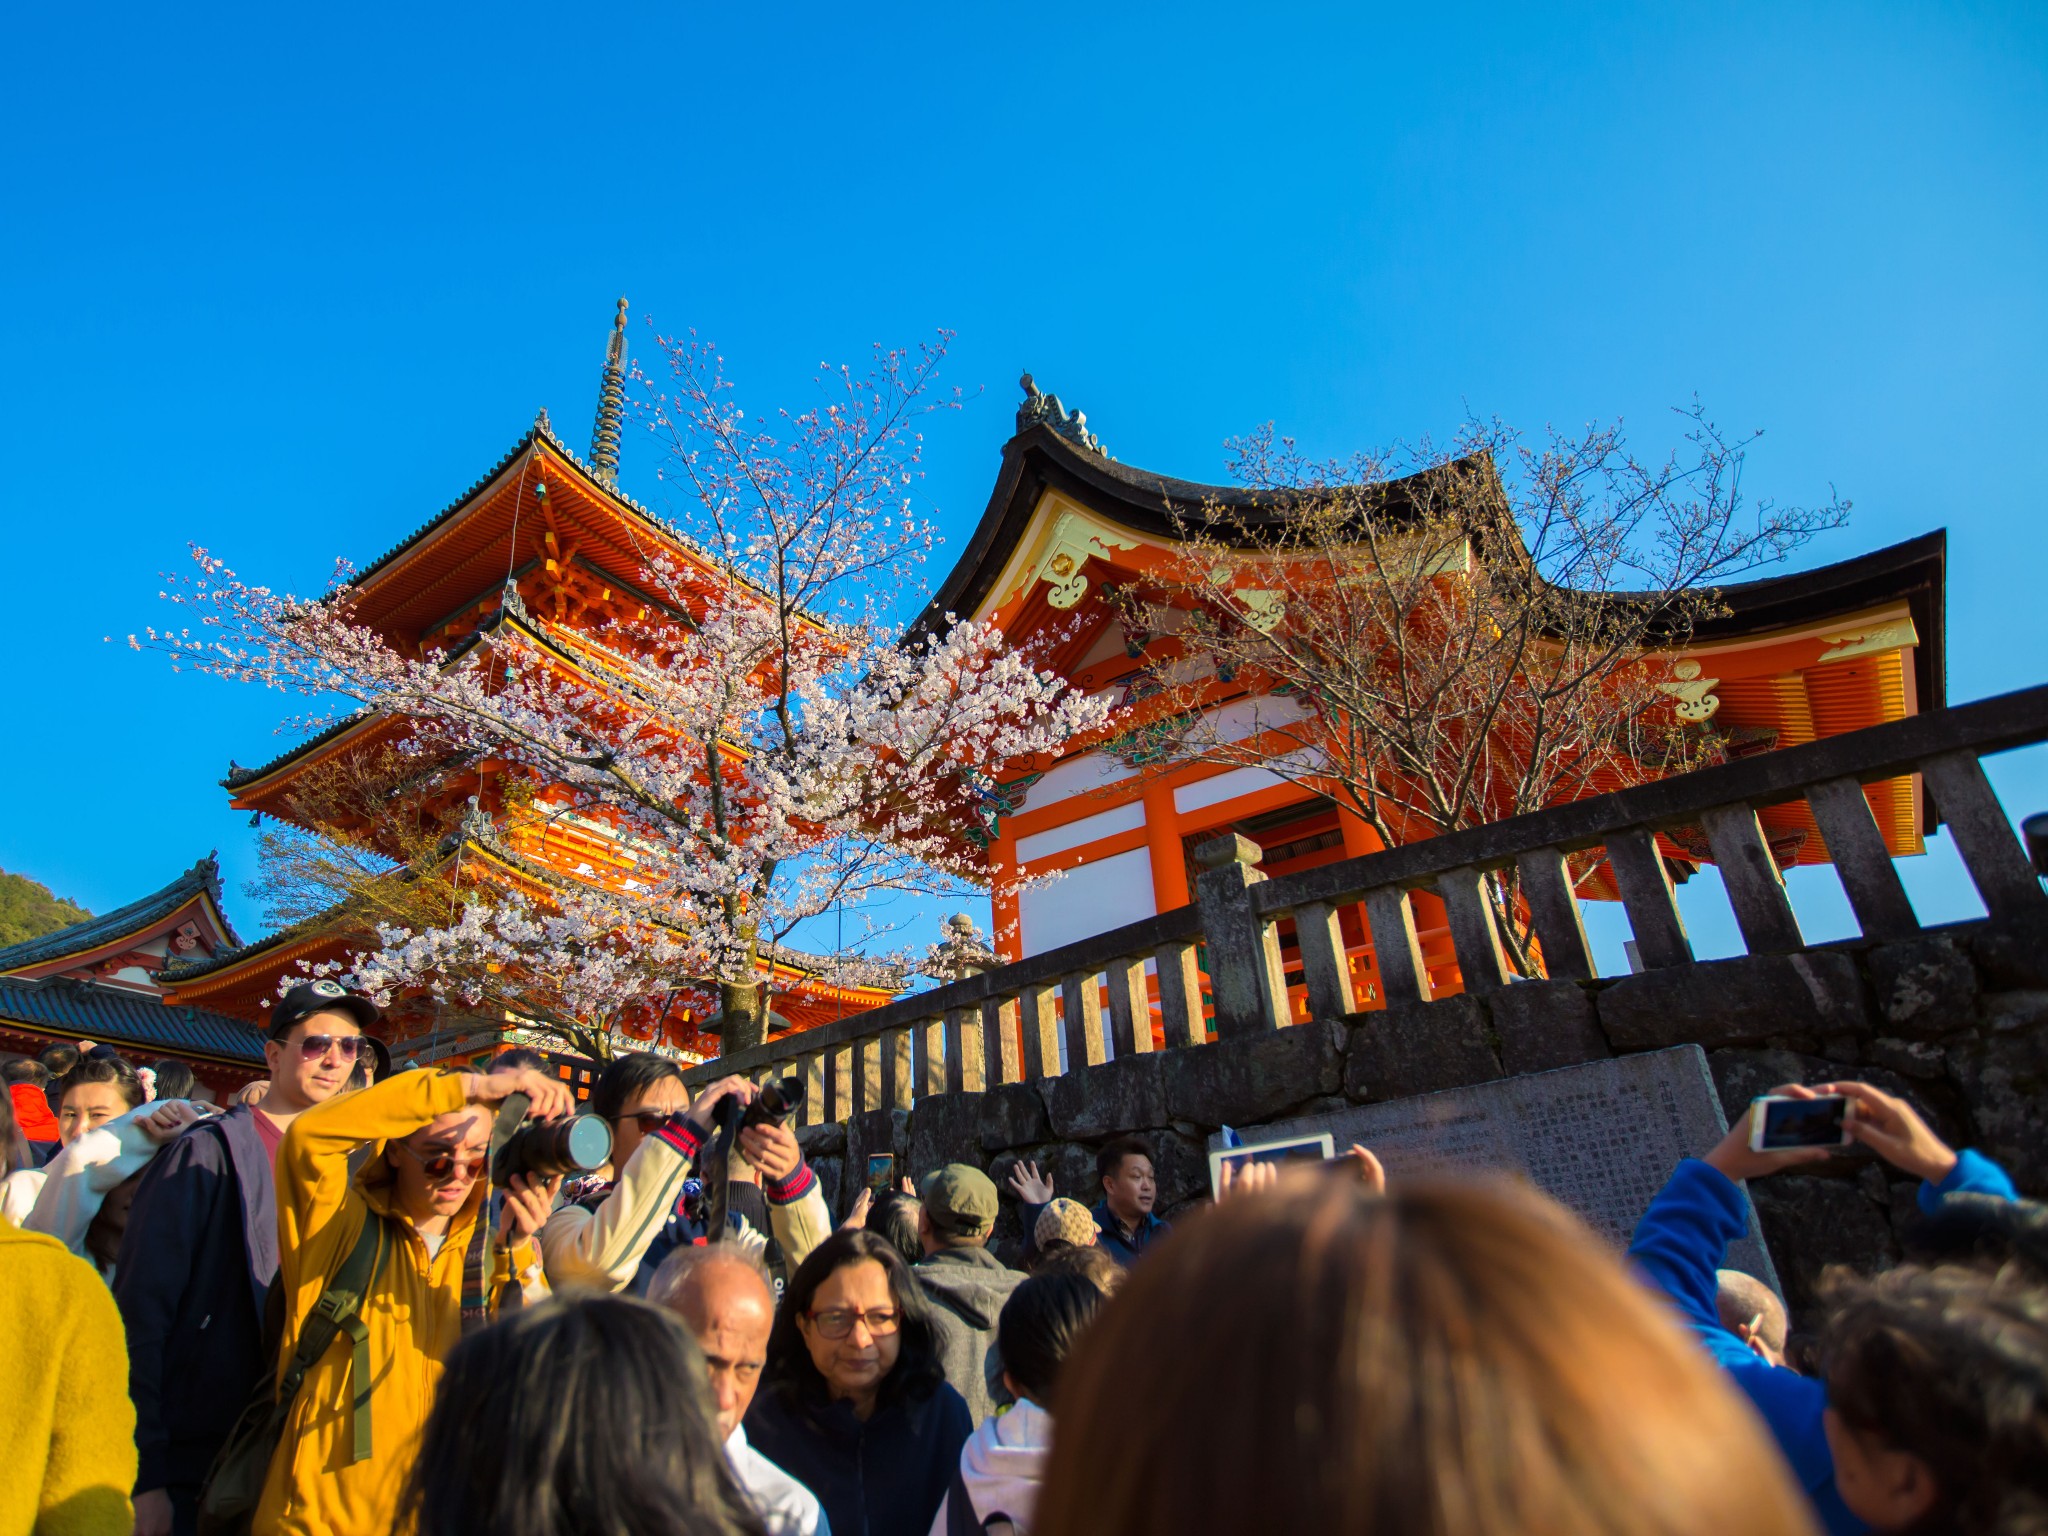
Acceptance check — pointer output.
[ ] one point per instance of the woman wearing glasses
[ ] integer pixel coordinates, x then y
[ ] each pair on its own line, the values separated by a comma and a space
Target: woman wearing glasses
425, 1181
853, 1402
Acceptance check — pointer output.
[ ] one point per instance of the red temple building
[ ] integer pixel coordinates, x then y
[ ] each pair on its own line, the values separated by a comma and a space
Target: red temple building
99, 980
1792, 658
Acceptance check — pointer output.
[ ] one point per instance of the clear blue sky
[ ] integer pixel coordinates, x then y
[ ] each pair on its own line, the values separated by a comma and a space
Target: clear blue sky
283, 281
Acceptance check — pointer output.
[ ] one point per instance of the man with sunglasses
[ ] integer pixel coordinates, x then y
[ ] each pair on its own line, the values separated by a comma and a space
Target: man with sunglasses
200, 1254
616, 1234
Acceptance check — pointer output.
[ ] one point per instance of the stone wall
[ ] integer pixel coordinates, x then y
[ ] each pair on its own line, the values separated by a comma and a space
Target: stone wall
1956, 1021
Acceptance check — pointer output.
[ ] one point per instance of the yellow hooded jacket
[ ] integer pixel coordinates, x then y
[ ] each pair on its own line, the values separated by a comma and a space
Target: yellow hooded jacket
413, 1310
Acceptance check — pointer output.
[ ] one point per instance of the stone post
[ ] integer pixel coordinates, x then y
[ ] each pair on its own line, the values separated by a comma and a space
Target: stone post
1245, 978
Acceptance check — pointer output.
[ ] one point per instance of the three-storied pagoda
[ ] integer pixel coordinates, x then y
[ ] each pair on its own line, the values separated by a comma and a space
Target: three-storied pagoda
545, 543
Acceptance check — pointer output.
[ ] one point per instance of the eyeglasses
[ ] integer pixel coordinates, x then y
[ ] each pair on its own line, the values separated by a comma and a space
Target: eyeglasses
316, 1046
649, 1120
442, 1166
837, 1324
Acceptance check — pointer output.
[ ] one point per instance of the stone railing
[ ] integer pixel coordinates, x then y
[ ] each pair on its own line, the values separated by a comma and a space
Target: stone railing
1091, 1001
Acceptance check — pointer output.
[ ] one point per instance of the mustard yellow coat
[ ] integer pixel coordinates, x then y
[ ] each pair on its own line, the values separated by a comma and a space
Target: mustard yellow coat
413, 1310
67, 1429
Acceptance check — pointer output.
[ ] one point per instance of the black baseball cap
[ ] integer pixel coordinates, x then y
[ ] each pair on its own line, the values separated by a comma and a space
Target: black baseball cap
323, 996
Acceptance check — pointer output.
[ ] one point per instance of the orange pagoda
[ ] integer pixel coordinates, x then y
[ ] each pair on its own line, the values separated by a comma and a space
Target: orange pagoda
544, 542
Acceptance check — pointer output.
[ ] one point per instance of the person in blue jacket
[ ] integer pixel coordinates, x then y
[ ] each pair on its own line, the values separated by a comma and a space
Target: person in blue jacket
1682, 1238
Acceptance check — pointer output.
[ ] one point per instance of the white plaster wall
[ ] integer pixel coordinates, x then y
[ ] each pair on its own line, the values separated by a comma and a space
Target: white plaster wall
1074, 777
1085, 901
1122, 818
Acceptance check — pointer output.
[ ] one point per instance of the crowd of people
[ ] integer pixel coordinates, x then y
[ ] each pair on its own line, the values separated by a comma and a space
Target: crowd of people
316, 1311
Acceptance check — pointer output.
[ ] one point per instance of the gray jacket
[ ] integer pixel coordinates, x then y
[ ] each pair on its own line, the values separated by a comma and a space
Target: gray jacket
967, 1288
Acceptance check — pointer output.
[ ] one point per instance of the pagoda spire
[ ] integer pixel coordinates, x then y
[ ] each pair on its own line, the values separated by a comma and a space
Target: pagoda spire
611, 400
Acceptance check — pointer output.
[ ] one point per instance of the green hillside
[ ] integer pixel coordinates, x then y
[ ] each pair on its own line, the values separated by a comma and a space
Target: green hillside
27, 909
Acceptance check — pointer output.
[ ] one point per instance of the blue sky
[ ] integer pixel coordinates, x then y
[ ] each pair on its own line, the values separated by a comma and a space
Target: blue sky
283, 281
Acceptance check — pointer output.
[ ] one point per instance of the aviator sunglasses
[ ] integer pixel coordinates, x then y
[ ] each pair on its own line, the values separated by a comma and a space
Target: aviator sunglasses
350, 1046
440, 1166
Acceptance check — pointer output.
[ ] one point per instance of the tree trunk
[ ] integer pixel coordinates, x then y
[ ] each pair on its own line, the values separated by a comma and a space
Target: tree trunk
742, 1020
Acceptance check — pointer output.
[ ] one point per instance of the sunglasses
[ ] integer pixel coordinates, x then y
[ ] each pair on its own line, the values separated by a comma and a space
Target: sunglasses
442, 1166
315, 1046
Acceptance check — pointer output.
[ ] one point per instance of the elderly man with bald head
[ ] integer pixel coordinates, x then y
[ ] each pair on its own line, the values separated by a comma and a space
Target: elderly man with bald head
721, 1293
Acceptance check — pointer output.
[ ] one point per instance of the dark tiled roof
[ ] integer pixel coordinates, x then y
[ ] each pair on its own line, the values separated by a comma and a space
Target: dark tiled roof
117, 1016
202, 878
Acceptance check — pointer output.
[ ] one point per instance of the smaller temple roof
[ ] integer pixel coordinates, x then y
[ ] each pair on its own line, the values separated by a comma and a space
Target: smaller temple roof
201, 880
120, 1016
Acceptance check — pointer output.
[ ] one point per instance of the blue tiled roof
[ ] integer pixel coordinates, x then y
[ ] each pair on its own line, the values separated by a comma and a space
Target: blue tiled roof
116, 1016
201, 878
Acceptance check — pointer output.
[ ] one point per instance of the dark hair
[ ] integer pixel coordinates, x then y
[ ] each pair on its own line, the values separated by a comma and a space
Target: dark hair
519, 1058
1454, 1357
582, 1414
102, 1066
14, 1149
790, 1372
174, 1079
1985, 1230
1951, 1364
627, 1078
1038, 1327
893, 1218
25, 1069
1110, 1159
59, 1058
1092, 1263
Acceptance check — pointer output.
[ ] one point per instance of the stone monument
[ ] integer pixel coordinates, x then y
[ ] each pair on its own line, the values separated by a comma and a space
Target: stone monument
1600, 1138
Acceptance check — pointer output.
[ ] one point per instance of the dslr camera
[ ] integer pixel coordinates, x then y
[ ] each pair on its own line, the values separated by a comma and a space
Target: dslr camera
543, 1149
775, 1103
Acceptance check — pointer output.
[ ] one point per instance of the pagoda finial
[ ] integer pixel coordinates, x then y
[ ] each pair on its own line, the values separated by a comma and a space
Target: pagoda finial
611, 400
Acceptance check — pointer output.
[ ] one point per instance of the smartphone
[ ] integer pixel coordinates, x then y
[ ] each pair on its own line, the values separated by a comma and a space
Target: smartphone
881, 1170
1308, 1149
1782, 1125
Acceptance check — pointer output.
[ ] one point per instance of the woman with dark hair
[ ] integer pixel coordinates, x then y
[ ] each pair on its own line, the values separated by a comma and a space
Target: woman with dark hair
853, 1402
1447, 1357
1003, 1463
100, 1086
585, 1414
174, 1079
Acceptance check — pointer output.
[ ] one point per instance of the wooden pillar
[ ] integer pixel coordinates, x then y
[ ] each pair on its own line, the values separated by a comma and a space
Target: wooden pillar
1162, 841
1009, 935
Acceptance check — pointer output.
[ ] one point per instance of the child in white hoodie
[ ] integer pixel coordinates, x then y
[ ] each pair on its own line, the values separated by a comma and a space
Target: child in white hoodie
1003, 1462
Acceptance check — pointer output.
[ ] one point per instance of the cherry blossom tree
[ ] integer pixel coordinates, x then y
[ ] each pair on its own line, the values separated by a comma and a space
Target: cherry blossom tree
781, 751
1439, 638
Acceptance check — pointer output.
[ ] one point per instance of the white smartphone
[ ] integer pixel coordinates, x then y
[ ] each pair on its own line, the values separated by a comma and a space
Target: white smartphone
1786, 1124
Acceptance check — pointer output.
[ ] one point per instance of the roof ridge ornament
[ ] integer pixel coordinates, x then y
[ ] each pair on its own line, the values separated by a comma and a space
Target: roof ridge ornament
611, 400
1072, 425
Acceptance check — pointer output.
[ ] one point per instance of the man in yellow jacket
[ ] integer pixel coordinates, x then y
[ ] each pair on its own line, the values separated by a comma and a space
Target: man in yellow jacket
429, 1134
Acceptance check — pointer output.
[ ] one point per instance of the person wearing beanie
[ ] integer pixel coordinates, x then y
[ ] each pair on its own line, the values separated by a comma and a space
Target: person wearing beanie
966, 1284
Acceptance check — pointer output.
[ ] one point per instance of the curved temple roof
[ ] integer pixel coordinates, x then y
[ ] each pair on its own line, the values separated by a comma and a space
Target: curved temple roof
202, 880
1047, 454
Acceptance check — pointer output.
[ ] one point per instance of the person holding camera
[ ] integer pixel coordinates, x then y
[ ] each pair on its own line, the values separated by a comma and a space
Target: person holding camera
1683, 1236
617, 1231
351, 1427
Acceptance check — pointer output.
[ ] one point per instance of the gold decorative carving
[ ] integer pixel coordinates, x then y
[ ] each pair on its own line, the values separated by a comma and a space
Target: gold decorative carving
1695, 702
1883, 637
1072, 542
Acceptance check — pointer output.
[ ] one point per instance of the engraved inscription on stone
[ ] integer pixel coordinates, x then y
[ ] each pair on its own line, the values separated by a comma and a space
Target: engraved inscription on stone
1601, 1137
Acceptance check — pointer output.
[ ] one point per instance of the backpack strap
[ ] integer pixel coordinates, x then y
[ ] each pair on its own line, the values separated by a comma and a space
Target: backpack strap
338, 1311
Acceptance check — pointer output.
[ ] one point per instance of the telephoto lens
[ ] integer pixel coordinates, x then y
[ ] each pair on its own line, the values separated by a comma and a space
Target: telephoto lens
541, 1149
775, 1103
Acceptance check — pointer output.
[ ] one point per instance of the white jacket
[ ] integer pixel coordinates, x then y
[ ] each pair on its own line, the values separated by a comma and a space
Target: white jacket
1002, 1464
80, 1176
